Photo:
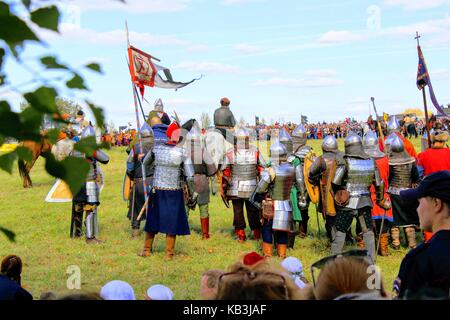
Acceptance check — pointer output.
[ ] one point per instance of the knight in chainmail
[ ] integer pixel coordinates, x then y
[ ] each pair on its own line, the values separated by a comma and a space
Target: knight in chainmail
204, 167
321, 173
394, 127
241, 168
300, 152
351, 186
166, 212
403, 173
137, 173
87, 199
275, 184
371, 147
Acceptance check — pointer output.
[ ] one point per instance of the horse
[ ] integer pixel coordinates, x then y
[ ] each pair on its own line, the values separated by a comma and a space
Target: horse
61, 149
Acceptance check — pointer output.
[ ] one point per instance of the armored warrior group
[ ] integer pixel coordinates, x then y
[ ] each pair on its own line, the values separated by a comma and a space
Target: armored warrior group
172, 169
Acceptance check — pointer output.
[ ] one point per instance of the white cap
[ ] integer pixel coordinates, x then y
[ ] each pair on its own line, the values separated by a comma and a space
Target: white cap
159, 292
292, 264
117, 290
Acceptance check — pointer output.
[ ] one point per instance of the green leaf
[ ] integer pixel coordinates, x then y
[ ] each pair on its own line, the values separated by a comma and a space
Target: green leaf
72, 170
9, 234
46, 17
76, 82
24, 153
31, 119
2, 79
94, 67
10, 125
7, 161
27, 3
4, 9
13, 30
4, 106
98, 114
2, 140
87, 145
50, 63
43, 99
52, 135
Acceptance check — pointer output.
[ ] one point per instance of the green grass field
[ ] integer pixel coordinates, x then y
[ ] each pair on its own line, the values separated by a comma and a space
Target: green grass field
47, 251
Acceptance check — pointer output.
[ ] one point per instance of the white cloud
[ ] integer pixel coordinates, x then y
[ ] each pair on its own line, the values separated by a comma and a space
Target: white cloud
113, 37
416, 4
340, 37
132, 6
198, 48
321, 73
247, 48
213, 67
266, 71
440, 74
299, 82
239, 2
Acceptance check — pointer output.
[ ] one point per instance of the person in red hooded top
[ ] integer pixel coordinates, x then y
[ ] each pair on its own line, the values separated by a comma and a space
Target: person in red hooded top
434, 159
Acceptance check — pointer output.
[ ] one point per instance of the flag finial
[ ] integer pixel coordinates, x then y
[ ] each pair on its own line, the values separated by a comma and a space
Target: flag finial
417, 37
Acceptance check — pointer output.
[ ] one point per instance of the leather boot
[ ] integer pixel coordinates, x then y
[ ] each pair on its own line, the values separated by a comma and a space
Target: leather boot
384, 247
170, 245
395, 234
267, 249
360, 242
281, 250
240, 235
205, 228
148, 243
411, 236
256, 234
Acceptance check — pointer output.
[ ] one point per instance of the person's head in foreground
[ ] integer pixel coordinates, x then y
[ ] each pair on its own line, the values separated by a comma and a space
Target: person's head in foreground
11, 267
258, 281
433, 194
208, 284
159, 292
349, 277
295, 269
117, 290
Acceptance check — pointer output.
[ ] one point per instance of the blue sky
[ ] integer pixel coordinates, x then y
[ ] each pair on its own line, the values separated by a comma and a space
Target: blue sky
273, 59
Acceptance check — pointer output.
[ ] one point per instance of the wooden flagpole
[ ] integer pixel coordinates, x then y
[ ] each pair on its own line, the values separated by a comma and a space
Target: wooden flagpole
427, 121
138, 124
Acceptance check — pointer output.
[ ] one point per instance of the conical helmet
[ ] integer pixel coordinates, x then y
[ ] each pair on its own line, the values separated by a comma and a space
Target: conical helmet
299, 136
277, 150
388, 141
159, 105
371, 146
393, 124
330, 144
397, 152
146, 131
353, 146
286, 140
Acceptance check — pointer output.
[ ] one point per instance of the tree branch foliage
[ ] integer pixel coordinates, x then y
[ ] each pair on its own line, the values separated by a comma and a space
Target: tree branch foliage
41, 103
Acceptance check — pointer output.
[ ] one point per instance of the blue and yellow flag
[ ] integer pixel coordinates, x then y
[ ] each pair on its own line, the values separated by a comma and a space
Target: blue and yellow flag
423, 80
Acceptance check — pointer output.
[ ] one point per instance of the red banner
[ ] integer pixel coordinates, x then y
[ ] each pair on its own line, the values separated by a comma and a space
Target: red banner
142, 69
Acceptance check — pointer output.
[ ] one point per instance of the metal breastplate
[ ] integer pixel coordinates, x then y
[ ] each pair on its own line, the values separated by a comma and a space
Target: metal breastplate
243, 173
284, 179
359, 178
400, 178
168, 160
